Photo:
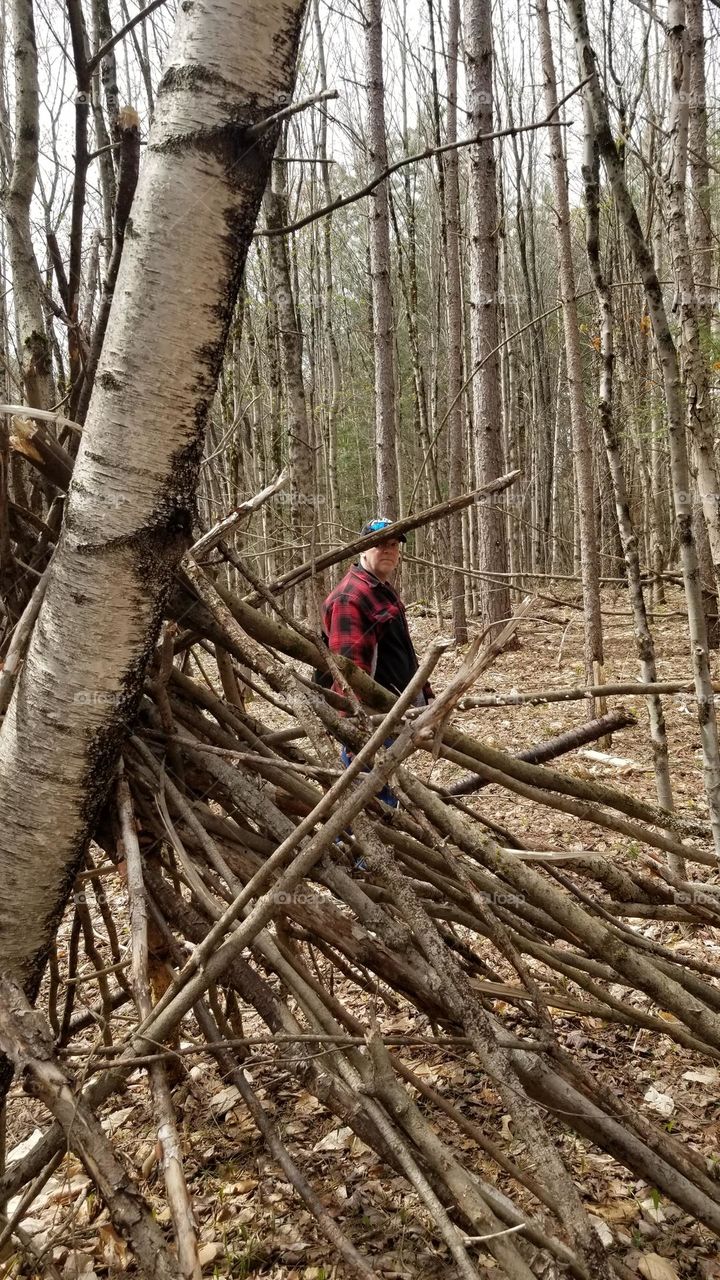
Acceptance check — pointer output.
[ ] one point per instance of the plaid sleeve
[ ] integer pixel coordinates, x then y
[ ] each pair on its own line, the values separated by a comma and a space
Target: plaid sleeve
351, 632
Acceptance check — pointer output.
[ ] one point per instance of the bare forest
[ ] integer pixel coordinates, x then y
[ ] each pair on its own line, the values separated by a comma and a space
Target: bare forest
446, 1004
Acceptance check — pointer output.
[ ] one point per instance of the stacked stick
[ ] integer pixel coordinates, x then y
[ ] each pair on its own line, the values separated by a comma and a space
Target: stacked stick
261, 875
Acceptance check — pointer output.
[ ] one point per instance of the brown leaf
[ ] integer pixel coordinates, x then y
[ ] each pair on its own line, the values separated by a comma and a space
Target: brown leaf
207, 1253
114, 1251
653, 1267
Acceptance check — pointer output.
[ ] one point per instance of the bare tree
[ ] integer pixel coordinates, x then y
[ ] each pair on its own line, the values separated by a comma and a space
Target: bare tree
333, 356
291, 348
581, 436
644, 639
386, 468
698, 407
453, 288
492, 557
674, 399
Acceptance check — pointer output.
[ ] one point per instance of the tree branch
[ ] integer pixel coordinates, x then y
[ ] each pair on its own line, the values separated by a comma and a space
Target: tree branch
311, 567
427, 154
119, 35
255, 131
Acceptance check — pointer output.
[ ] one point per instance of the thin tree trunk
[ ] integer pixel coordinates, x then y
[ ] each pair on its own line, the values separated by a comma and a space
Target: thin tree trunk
107, 73
333, 531
453, 287
643, 636
698, 405
582, 444
300, 453
487, 411
675, 411
386, 468
658, 547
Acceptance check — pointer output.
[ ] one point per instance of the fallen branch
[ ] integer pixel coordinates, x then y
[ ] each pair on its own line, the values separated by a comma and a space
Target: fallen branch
451, 505
233, 518
27, 1041
167, 1133
633, 687
19, 642
558, 746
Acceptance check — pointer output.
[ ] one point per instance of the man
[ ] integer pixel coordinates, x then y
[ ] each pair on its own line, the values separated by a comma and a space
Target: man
364, 617
364, 620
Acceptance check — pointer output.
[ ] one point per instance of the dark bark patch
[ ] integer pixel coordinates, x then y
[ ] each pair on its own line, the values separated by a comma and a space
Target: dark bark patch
189, 76
108, 381
685, 533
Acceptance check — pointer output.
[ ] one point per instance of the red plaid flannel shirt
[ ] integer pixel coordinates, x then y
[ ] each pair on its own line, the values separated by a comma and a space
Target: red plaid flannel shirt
354, 615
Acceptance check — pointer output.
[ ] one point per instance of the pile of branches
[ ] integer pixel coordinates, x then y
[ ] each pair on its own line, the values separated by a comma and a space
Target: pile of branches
262, 876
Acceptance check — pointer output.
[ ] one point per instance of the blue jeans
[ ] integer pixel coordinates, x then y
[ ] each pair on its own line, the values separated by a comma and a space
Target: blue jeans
386, 795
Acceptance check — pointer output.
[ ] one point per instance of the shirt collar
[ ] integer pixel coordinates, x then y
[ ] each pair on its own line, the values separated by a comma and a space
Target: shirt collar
376, 583
368, 573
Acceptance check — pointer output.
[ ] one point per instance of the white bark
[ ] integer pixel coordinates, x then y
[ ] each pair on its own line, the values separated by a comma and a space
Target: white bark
35, 358
129, 511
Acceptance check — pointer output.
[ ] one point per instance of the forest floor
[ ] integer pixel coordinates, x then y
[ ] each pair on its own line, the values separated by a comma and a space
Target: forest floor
251, 1223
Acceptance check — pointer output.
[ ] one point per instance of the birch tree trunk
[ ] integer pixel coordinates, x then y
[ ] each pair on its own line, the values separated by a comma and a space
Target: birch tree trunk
667, 354
494, 597
35, 353
382, 303
130, 506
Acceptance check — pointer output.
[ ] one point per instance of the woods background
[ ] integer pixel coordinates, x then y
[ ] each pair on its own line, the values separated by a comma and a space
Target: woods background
268, 270
457, 254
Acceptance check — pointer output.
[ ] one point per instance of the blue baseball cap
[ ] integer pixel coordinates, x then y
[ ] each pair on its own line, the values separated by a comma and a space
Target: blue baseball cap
377, 526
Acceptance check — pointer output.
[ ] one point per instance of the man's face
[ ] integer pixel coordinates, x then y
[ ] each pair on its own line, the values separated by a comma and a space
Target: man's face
383, 559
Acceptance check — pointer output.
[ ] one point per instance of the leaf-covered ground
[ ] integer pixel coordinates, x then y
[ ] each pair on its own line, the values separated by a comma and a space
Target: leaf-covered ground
251, 1222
